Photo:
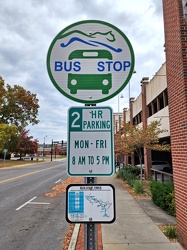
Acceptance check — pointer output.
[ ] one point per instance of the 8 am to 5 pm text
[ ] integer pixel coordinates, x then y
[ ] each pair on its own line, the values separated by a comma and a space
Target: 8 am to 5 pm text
91, 160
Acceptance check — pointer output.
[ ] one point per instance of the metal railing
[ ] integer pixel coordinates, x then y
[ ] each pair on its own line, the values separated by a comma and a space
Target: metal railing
161, 176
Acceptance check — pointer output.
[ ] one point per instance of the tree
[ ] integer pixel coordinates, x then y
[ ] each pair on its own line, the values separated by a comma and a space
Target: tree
17, 106
132, 139
26, 144
2, 90
7, 132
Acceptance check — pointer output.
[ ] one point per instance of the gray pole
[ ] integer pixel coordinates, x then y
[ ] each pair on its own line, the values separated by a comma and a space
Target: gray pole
90, 229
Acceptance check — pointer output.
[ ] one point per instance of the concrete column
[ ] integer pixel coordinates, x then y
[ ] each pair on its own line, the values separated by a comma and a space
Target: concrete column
145, 113
125, 119
124, 114
131, 122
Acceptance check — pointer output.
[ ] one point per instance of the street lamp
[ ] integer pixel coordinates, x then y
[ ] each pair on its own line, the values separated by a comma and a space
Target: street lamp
121, 96
44, 146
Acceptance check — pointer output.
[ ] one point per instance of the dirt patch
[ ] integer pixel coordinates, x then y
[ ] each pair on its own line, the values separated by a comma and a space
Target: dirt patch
9, 163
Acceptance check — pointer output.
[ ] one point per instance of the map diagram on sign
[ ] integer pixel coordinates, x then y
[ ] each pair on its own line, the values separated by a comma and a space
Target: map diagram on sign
104, 206
90, 203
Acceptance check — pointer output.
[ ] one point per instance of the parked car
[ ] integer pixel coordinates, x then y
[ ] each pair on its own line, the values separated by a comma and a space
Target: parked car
160, 165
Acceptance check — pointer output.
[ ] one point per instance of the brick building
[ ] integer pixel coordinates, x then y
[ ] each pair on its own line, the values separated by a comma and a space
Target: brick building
175, 27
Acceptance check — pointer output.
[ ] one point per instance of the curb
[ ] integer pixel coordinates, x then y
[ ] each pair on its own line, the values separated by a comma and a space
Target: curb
77, 238
74, 237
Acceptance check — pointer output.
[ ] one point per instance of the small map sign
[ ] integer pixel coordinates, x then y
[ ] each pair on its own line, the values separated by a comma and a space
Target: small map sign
90, 203
90, 141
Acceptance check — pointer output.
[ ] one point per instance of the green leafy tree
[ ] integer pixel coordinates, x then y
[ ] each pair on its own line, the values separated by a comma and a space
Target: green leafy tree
132, 139
18, 106
2, 90
7, 133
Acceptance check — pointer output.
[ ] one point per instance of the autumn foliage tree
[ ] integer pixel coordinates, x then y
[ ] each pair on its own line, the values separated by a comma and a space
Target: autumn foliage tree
26, 144
18, 106
132, 139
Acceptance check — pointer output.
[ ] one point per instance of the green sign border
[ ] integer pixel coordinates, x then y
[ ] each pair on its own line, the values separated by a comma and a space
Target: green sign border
102, 99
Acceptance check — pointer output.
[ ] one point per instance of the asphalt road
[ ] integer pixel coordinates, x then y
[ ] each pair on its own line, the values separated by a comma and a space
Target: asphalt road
28, 219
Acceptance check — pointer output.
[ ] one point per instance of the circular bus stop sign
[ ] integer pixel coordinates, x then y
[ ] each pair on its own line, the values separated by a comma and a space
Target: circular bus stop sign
90, 61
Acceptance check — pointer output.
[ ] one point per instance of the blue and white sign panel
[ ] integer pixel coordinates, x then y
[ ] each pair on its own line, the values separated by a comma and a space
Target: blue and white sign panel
90, 203
90, 141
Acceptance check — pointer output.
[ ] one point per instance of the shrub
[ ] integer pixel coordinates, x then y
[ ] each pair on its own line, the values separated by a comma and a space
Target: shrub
133, 169
129, 174
138, 187
170, 232
161, 195
170, 201
129, 177
120, 173
126, 175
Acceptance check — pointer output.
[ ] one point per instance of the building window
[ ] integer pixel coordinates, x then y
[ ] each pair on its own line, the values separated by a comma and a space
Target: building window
160, 102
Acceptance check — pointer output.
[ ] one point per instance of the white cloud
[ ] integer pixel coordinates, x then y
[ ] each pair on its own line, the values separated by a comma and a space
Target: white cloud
28, 28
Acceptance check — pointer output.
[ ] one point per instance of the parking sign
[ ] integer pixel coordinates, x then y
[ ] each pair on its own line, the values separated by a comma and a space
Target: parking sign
90, 141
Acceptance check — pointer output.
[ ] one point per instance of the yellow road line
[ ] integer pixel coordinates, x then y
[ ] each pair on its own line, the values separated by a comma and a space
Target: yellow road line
35, 172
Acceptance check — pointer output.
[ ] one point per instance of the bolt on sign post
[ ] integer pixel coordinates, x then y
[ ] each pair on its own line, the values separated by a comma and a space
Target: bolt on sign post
90, 141
90, 61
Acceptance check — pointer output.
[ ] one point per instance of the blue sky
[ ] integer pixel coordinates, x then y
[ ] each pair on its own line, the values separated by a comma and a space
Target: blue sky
28, 28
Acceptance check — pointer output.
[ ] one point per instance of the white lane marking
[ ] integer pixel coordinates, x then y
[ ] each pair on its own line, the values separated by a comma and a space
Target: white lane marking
58, 181
25, 203
30, 202
42, 203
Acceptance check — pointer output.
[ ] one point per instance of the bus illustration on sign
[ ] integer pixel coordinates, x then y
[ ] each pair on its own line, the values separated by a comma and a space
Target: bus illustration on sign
90, 81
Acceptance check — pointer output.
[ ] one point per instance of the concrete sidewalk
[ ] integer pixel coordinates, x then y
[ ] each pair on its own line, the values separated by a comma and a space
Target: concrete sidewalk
136, 222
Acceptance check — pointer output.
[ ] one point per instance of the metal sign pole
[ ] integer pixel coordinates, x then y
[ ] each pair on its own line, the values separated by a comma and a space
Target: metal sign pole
52, 150
90, 229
